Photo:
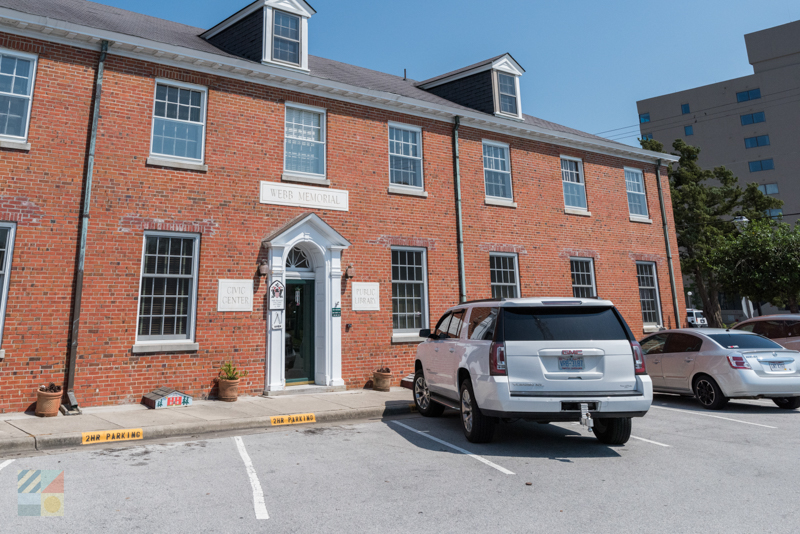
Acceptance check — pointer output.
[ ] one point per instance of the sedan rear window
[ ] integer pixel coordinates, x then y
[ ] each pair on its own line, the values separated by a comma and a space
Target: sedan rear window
744, 341
561, 324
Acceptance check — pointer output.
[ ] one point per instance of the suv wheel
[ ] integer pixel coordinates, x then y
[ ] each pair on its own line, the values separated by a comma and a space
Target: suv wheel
787, 403
709, 394
422, 397
478, 428
613, 431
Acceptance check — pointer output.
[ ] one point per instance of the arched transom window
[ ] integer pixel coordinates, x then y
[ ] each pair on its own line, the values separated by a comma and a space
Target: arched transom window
297, 260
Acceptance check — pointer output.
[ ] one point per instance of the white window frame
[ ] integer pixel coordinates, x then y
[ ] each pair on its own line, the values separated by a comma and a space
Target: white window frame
193, 301
418, 131
496, 90
582, 177
12, 232
643, 193
425, 322
35, 63
507, 148
658, 295
272, 36
203, 107
590, 261
307, 176
516, 285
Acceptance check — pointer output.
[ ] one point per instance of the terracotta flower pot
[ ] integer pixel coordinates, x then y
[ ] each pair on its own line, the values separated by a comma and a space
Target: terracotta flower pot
228, 390
381, 381
47, 403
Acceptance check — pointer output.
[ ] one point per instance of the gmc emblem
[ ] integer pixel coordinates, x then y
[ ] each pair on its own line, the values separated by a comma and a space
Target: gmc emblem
571, 352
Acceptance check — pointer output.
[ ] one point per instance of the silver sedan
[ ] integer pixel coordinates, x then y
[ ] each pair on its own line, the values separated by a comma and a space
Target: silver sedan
716, 365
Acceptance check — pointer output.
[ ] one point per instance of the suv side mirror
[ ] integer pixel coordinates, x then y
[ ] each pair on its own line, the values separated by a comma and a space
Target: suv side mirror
425, 333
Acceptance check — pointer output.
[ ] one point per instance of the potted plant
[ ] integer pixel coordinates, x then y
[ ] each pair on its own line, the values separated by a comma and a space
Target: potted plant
382, 379
228, 380
48, 399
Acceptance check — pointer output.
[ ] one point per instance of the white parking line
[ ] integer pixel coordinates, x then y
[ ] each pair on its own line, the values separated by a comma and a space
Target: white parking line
714, 416
6, 463
650, 441
258, 495
459, 449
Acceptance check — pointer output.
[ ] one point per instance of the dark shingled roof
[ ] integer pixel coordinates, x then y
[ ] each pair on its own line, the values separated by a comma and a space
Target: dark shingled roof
459, 71
117, 20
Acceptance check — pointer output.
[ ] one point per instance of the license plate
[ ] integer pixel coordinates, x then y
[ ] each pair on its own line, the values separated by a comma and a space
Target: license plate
777, 367
570, 364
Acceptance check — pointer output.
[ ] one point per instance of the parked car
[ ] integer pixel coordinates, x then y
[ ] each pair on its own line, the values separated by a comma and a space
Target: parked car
539, 359
716, 365
783, 329
696, 319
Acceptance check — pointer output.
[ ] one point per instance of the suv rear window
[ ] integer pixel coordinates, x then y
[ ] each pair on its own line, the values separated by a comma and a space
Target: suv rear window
561, 324
744, 341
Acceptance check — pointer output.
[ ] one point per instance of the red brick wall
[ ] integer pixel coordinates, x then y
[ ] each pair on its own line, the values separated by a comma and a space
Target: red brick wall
244, 146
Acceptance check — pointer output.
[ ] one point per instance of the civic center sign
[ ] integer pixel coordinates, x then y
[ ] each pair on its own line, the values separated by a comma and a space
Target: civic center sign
304, 196
235, 295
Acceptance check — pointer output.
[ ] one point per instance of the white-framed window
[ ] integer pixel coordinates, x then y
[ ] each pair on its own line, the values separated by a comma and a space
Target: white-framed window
409, 289
305, 141
648, 292
7, 233
582, 271
179, 121
405, 155
637, 199
504, 275
507, 87
497, 170
574, 184
17, 77
168, 287
286, 42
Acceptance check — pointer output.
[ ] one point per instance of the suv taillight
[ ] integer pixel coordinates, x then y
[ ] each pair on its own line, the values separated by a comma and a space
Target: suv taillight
638, 359
737, 361
497, 360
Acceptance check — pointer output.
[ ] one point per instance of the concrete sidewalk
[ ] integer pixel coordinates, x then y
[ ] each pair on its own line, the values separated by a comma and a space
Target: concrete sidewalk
24, 432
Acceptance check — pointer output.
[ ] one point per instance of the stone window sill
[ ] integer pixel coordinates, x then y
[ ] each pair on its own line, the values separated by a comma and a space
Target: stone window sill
573, 211
411, 191
407, 338
642, 220
15, 145
145, 348
186, 166
489, 201
304, 179
651, 328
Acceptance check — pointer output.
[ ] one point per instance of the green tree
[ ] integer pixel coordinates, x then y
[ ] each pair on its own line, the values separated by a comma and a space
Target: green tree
704, 204
762, 262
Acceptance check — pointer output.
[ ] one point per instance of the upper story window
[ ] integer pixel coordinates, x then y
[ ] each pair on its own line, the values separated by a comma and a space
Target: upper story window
179, 121
573, 181
637, 200
774, 213
17, 73
496, 170
753, 118
644, 117
6, 251
753, 142
647, 136
508, 93
688, 130
752, 94
769, 189
286, 38
504, 275
405, 155
761, 165
305, 141
685, 109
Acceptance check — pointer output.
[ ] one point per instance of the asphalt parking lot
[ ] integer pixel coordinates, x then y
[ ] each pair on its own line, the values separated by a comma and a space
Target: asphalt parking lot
686, 470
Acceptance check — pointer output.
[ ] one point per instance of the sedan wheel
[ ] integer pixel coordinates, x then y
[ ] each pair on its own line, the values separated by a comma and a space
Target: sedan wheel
709, 393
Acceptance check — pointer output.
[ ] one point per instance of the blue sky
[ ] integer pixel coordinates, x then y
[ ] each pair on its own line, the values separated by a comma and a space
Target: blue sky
587, 62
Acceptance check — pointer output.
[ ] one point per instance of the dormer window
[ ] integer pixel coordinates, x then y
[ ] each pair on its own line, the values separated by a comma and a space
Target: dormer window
286, 38
508, 93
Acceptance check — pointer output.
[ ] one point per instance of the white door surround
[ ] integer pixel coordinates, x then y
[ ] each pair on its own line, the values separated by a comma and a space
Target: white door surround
323, 247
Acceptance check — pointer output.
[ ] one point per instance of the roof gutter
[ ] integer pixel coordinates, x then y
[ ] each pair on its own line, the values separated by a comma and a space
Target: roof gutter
70, 407
675, 305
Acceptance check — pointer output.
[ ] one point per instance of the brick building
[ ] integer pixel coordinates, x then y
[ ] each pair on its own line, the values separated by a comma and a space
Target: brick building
218, 170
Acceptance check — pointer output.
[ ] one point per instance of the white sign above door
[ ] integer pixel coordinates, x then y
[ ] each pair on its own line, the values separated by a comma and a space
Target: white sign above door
304, 196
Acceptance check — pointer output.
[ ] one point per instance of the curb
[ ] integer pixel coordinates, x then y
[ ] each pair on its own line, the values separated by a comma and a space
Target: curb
74, 439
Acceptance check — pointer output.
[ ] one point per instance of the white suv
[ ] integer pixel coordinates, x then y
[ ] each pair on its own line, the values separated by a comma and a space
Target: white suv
539, 359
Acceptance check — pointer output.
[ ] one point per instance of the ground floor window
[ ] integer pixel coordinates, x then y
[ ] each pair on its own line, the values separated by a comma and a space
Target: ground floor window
504, 274
409, 289
6, 251
582, 270
648, 293
168, 287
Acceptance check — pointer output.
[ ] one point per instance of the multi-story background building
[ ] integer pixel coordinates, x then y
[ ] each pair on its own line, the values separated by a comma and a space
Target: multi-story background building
244, 200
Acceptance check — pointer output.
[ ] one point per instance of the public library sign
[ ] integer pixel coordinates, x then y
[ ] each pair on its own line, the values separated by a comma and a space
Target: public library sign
304, 196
